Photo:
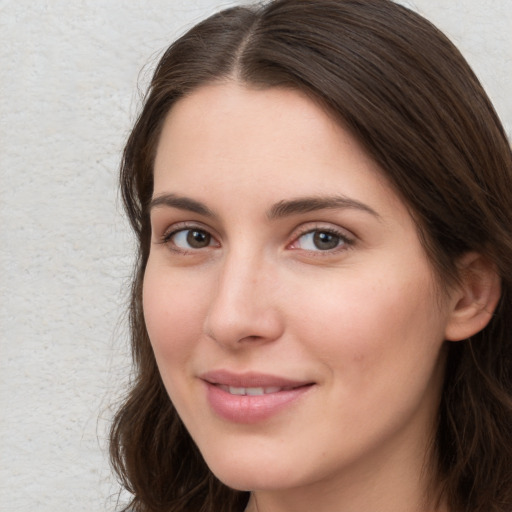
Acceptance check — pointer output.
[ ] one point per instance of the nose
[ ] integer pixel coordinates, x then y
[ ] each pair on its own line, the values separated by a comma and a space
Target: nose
244, 307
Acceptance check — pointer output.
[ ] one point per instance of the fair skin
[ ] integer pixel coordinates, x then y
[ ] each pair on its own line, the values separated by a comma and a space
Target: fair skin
281, 257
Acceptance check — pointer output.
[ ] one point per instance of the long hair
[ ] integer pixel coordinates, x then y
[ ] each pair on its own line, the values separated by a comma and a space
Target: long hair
411, 100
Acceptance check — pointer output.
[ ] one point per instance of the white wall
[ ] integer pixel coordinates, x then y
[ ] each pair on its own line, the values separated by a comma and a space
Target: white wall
69, 71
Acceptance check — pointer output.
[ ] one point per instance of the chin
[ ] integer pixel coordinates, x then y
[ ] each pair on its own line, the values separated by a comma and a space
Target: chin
248, 481
250, 476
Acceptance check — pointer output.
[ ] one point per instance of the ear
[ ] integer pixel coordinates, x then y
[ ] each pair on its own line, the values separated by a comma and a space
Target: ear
474, 299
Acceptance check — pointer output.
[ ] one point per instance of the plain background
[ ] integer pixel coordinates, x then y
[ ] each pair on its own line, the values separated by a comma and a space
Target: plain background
71, 72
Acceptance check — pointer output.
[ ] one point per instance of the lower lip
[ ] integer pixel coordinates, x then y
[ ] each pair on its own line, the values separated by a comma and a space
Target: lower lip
251, 409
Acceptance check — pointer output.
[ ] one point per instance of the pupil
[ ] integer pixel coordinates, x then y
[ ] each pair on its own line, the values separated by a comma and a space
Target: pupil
323, 240
198, 239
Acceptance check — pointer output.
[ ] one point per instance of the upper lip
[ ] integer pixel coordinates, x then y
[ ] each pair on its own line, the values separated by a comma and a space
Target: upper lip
250, 380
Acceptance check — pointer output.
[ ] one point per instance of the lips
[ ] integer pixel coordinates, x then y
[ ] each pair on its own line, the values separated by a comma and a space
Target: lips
251, 397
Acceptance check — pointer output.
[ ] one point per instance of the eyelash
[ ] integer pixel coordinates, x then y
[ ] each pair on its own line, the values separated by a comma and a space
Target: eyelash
179, 228
344, 241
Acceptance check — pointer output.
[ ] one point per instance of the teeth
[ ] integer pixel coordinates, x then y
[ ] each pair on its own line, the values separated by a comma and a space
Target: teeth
274, 389
252, 391
237, 391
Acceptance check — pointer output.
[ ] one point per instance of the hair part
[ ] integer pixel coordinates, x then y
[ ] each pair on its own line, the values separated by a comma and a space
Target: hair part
421, 114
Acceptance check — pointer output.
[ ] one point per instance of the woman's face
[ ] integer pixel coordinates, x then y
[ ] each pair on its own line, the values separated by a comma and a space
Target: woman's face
290, 305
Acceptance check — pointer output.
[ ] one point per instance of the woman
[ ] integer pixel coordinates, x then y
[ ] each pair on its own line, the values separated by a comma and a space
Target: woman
321, 309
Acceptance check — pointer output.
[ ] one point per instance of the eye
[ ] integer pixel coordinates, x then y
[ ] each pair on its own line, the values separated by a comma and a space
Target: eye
321, 240
190, 238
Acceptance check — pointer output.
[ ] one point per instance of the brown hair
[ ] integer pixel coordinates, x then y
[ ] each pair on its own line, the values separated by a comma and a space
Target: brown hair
409, 97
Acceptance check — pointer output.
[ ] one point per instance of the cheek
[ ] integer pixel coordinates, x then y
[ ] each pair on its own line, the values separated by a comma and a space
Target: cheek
366, 326
173, 312
379, 346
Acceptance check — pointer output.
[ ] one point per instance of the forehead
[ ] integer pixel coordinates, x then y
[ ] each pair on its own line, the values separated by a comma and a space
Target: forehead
234, 112
267, 130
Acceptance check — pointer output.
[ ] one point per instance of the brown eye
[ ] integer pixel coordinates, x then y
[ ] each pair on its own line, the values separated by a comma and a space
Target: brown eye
187, 239
198, 239
324, 240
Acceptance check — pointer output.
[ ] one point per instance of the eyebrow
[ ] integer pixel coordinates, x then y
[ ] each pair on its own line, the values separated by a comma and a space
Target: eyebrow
181, 203
311, 204
279, 210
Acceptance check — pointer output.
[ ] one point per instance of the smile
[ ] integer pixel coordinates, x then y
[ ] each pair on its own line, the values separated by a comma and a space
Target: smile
253, 391
251, 398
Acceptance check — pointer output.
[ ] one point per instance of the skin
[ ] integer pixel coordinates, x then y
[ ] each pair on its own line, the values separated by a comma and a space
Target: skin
363, 321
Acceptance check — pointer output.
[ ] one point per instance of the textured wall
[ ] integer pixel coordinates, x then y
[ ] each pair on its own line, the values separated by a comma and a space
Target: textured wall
69, 71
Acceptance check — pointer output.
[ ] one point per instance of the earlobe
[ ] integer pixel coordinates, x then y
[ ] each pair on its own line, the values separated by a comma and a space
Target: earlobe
474, 299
